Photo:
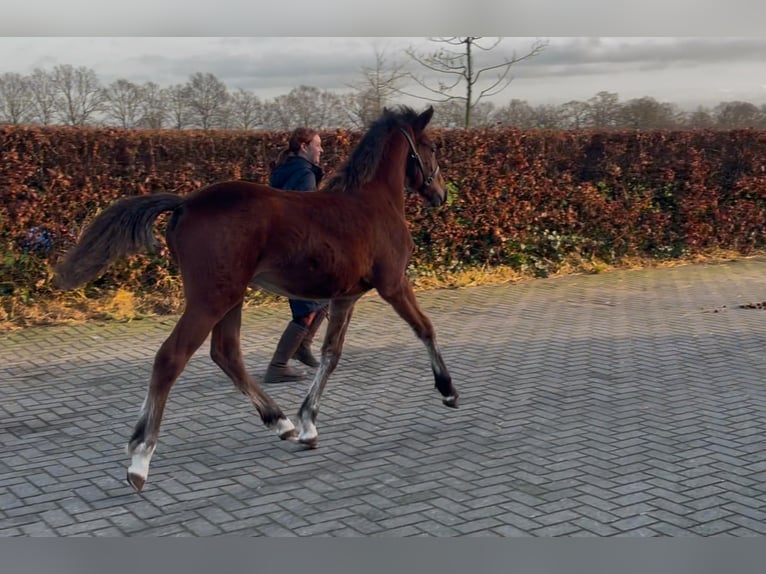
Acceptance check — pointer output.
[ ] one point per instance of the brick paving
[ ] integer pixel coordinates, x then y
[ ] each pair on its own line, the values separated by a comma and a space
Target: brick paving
624, 404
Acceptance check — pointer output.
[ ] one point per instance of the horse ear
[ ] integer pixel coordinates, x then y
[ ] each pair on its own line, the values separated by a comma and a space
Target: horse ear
422, 120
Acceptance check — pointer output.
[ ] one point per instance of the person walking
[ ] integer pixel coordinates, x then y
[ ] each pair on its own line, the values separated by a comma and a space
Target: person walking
297, 169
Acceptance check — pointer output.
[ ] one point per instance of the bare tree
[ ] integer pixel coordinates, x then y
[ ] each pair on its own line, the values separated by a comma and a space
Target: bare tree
15, 99
224, 119
79, 94
603, 110
737, 114
483, 114
122, 103
153, 106
305, 106
246, 109
547, 116
355, 113
574, 114
700, 118
449, 114
374, 91
276, 115
74, 96
207, 99
177, 98
44, 96
465, 74
648, 114
330, 109
518, 113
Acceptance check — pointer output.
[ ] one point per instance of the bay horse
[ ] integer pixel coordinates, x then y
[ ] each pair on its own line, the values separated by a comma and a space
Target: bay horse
335, 244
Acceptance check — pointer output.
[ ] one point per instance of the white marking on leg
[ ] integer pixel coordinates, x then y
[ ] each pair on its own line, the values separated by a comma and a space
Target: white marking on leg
139, 463
321, 373
436, 364
308, 432
142, 410
284, 427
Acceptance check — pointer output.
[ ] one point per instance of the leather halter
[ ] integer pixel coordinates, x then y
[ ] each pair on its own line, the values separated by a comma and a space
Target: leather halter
427, 180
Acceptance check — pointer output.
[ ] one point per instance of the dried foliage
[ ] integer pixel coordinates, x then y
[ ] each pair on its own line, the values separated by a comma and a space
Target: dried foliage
527, 201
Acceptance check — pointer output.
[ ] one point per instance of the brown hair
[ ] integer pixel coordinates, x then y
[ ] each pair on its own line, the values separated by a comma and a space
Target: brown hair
298, 137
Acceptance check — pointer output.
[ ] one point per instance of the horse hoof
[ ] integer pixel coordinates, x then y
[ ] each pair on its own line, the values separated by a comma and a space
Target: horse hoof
286, 429
136, 481
450, 402
310, 442
291, 435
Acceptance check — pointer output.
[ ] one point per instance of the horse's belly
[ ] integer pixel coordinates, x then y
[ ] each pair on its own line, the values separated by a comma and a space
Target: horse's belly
312, 289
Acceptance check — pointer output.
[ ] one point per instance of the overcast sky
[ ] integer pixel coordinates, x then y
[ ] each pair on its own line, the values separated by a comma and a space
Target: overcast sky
684, 70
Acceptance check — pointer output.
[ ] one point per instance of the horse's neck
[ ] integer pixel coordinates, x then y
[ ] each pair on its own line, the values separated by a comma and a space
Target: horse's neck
391, 171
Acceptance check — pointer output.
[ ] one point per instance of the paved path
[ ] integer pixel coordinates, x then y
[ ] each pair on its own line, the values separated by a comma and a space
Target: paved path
624, 404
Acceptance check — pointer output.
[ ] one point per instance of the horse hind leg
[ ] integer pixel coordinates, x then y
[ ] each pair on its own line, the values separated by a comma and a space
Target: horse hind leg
188, 334
140, 448
403, 300
339, 317
226, 352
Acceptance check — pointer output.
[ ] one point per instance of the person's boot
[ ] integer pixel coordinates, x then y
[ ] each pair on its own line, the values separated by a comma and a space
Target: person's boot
279, 371
303, 354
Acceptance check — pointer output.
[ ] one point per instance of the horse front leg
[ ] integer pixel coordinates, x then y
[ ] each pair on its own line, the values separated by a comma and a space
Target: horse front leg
188, 334
226, 352
402, 298
339, 316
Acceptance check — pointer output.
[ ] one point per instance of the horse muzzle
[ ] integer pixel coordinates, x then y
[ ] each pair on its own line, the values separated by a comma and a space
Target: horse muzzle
438, 198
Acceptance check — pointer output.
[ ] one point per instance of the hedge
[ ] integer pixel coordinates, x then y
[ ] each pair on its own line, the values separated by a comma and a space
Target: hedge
527, 199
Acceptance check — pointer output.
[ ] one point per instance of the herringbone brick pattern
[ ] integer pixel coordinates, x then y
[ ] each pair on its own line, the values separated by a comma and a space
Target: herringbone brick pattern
625, 404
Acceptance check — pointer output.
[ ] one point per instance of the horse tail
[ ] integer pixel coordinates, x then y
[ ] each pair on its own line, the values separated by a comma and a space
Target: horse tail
124, 228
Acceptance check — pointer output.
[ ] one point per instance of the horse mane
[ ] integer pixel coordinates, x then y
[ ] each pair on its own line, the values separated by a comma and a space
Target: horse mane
362, 164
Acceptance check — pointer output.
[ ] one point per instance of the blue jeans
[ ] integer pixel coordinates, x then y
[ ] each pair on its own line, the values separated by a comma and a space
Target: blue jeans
301, 308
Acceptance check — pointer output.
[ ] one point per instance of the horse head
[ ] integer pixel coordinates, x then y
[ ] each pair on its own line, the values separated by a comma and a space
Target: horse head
422, 173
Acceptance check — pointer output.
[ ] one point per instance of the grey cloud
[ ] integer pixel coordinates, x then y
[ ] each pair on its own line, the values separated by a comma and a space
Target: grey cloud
667, 68
596, 55
254, 64
604, 56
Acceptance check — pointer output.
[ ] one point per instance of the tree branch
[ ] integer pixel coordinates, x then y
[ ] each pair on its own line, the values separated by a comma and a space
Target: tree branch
460, 64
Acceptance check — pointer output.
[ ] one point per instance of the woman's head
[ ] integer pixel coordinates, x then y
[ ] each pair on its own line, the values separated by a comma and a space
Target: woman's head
304, 142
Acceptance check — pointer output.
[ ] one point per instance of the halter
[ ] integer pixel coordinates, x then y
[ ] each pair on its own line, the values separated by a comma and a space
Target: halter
414, 155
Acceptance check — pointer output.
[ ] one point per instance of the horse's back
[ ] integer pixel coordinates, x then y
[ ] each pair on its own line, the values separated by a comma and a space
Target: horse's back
231, 206
228, 195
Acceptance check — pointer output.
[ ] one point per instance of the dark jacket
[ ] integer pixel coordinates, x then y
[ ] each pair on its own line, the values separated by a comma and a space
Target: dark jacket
296, 173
